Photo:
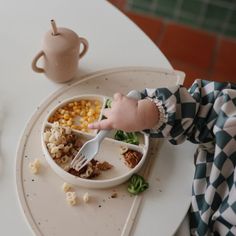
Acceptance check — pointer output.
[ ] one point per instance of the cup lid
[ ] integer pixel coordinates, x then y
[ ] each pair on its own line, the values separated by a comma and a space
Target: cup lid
65, 39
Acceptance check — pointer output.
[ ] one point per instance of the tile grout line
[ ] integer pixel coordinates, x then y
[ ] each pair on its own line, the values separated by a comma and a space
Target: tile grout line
162, 33
177, 10
214, 56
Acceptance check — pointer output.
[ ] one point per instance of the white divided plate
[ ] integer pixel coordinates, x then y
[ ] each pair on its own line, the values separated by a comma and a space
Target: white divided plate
164, 204
110, 149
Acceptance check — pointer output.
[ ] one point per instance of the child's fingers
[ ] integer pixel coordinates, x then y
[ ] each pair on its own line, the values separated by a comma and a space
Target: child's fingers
103, 124
107, 112
117, 96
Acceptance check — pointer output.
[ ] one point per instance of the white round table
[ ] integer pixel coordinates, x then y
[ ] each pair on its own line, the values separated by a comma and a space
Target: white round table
114, 42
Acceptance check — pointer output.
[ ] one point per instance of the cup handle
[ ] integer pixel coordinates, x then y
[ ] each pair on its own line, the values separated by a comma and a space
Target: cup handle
34, 63
85, 44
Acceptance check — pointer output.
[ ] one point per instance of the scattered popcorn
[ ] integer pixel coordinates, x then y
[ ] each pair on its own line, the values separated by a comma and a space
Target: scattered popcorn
34, 166
86, 198
71, 198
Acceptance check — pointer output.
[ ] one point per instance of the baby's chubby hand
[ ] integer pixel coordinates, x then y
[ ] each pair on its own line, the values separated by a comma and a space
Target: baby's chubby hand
128, 114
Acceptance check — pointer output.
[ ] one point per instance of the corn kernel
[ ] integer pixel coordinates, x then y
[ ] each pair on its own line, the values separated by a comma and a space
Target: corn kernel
90, 112
69, 122
74, 127
84, 124
77, 111
88, 104
97, 103
62, 111
90, 119
66, 116
82, 113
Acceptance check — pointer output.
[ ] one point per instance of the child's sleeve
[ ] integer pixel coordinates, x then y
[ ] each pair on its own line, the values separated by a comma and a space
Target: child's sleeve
187, 114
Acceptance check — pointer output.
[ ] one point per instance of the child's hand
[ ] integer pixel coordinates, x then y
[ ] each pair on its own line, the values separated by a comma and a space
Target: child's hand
128, 115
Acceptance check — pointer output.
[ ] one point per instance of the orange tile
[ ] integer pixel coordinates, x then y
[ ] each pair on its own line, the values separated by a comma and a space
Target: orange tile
225, 64
151, 26
223, 77
189, 45
192, 72
118, 3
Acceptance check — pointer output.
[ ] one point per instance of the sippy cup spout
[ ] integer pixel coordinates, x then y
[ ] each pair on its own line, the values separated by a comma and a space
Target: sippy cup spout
54, 27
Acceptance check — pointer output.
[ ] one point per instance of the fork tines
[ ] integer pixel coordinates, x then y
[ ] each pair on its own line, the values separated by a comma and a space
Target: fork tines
80, 162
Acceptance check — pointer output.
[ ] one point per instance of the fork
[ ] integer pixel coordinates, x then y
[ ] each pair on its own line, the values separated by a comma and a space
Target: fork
91, 147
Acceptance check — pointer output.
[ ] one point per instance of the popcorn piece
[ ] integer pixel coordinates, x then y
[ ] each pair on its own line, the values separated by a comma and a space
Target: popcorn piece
71, 198
86, 197
34, 166
66, 187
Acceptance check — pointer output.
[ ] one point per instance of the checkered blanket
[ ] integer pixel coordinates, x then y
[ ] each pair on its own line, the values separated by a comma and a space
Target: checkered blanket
205, 114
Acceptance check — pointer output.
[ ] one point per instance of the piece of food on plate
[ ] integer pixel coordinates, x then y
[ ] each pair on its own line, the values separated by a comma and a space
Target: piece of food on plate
63, 145
132, 158
77, 114
127, 137
35, 166
108, 103
91, 170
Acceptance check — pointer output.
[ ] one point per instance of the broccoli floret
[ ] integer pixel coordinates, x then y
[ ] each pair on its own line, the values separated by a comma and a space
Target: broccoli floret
128, 137
137, 184
108, 103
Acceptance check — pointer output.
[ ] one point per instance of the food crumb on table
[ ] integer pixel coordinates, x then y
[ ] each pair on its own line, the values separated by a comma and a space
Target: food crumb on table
35, 166
114, 195
71, 198
86, 197
66, 187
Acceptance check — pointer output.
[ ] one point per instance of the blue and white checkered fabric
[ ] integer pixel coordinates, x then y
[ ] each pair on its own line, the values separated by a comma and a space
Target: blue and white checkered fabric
205, 114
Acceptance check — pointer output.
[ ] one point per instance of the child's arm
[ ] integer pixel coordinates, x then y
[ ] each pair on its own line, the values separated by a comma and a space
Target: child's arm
174, 113
204, 114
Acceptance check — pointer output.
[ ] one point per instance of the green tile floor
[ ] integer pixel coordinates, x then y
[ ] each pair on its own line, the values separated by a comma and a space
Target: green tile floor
215, 15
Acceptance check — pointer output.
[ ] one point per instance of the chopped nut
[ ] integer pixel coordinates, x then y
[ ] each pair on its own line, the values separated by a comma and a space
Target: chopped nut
104, 165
